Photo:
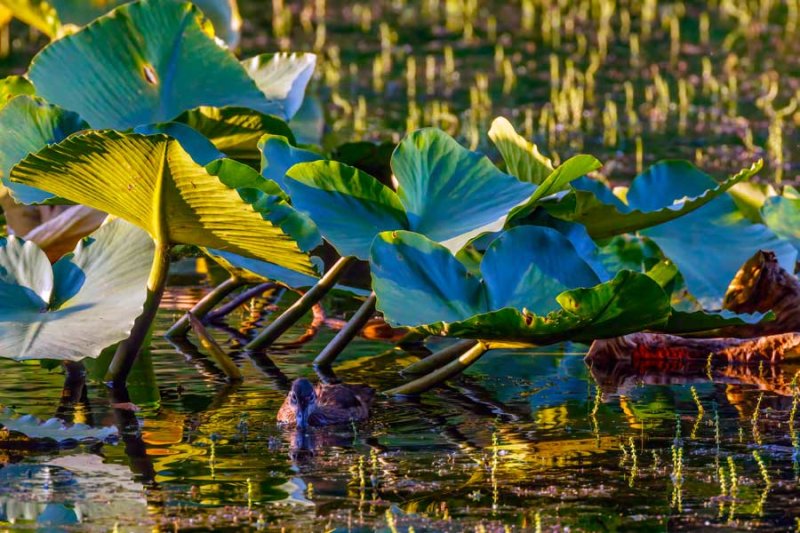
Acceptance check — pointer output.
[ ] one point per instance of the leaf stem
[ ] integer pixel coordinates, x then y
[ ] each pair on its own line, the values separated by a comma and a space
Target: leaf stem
253, 292
329, 354
227, 365
439, 359
129, 349
452, 369
294, 313
204, 305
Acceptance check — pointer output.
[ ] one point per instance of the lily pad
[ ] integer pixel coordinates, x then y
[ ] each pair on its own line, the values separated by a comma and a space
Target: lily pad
782, 215
522, 158
235, 131
157, 61
666, 191
549, 296
161, 190
12, 86
710, 244
29, 124
278, 156
85, 302
445, 192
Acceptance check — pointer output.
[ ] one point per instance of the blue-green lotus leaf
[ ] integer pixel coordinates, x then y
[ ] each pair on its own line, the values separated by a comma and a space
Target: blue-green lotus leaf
448, 191
278, 156
782, 215
196, 145
28, 125
529, 266
148, 61
85, 302
282, 78
348, 206
50, 16
710, 244
445, 192
666, 191
447, 300
308, 125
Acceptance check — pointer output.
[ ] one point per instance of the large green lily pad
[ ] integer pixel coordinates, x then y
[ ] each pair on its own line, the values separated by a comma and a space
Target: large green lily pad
28, 125
666, 191
156, 61
152, 182
445, 192
85, 302
548, 295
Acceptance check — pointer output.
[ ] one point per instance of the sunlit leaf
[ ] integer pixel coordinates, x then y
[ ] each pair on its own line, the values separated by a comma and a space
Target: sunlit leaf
85, 302
161, 190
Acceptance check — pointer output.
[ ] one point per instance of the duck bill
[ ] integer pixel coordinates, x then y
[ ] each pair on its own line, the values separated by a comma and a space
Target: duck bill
303, 416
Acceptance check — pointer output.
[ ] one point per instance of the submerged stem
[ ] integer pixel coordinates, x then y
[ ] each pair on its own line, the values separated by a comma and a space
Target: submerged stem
204, 305
439, 359
329, 354
294, 313
452, 369
129, 349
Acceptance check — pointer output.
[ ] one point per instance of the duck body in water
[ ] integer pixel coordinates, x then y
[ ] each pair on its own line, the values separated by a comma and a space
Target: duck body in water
324, 404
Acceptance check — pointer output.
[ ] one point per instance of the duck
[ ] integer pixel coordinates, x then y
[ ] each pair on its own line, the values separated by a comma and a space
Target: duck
325, 404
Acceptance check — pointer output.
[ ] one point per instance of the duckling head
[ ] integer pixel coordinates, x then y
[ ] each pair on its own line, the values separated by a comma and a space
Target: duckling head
303, 399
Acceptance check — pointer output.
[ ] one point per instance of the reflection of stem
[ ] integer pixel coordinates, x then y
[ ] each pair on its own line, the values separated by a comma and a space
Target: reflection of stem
128, 426
294, 313
204, 305
452, 369
74, 391
128, 350
439, 359
329, 354
238, 300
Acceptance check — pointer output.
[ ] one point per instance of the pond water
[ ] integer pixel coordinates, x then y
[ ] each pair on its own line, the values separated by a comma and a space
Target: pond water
527, 440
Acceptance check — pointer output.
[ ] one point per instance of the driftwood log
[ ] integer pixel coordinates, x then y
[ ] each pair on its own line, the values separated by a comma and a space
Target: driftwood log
761, 285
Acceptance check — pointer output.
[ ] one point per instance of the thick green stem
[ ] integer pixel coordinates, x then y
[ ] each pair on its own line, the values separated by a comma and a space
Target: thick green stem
438, 359
294, 313
128, 350
227, 365
329, 354
204, 305
452, 369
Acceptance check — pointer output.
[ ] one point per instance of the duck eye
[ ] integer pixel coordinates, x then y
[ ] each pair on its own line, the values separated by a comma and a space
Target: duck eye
293, 399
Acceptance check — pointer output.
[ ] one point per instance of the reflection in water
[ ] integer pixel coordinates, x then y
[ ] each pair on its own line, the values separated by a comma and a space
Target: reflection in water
523, 438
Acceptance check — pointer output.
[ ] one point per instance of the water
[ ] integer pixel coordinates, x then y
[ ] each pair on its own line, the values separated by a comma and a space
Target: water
524, 440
